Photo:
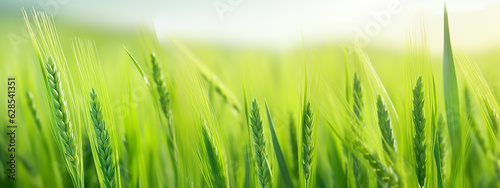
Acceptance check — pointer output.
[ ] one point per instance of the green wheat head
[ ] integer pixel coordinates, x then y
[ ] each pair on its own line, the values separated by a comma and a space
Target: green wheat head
104, 147
384, 173
419, 123
385, 124
358, 111
164, 96
160, 84
492, 114
307, 141
33, 110
358, 98
64, 127
263, 170
218, 175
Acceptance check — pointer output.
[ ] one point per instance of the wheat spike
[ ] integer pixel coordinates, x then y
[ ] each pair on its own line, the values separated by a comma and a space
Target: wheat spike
104, 147
263, 170
419, 123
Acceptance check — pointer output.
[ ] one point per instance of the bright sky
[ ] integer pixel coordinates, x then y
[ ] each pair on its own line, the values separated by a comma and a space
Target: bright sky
280, 22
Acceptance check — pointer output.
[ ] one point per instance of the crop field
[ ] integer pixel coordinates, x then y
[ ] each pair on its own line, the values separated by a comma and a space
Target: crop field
135, 109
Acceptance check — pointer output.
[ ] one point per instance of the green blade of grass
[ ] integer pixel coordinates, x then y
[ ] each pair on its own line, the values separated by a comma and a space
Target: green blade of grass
285, 174
451, 91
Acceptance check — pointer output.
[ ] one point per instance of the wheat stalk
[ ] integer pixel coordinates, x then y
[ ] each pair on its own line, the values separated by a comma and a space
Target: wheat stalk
419, 123
64, 128
104, 147
385, 124
263, 170
307, 141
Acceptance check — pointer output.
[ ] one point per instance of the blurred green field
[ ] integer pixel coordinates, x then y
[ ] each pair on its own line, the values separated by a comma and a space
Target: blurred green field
211, 87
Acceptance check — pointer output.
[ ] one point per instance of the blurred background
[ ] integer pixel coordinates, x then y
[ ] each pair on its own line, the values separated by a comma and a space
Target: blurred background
272, 24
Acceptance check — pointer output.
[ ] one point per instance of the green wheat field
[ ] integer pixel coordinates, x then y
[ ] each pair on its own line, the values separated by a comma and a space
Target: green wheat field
130, 110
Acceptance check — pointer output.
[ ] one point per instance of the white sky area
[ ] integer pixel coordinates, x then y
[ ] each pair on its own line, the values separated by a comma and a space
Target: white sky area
473, 23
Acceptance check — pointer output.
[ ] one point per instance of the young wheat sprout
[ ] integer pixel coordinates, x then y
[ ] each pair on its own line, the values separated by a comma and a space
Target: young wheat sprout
64, 128
419, 123
385, 124
104, 147
307, 141
263, 170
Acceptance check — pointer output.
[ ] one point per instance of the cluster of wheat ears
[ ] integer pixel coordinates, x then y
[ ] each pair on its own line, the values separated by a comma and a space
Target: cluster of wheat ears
352, 140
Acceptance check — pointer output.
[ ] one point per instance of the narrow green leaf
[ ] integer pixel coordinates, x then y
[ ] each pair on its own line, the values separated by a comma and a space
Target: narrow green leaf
451, 91
285, 174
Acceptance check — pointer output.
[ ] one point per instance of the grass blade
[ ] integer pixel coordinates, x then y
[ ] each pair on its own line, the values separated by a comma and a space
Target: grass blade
451, 91
285, 174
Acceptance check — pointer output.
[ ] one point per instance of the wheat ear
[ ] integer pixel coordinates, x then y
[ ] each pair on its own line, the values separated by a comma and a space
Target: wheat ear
64, 128
385, 124
104, 147
307, 141
419, 123
164, 96
358, 111
33, 110
263, 170
384, 173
